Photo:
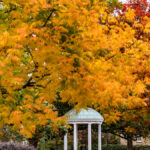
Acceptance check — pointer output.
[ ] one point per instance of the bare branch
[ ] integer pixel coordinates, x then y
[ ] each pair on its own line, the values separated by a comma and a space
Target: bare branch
48, 17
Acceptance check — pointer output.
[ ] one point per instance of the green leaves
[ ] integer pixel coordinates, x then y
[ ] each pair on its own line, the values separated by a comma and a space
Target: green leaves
113, 4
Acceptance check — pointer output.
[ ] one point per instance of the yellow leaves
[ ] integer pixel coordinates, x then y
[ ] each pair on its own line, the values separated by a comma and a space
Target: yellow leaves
139, 87
44, 4
22, 30
61, 28
26, 121
4, 39
15, 15
147, 28
26, 132
131, 130
28, 97
112, 20
6, 34
138, 26
14, 2
15, 58
130, 15
40, 100
15, 118
112, 117
4, 114
18, 81
147, 81
135, 102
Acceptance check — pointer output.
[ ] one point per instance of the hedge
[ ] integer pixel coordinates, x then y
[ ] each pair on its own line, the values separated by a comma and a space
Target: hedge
114, 147
123, 147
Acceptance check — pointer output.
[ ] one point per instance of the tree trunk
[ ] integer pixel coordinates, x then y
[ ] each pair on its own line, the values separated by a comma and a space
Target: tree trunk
107, 141
129, 144
56, 143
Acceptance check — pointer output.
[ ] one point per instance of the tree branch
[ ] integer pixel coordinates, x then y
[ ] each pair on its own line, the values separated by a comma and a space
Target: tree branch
48, 18
27, 84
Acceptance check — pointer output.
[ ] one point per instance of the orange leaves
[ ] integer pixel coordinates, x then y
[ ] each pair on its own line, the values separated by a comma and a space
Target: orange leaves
26, 132
44, 4
140, 87
1, 72
14, 2
4, 114
15, 118
4, 39
112, 117
29, 116
18, 81
130, 130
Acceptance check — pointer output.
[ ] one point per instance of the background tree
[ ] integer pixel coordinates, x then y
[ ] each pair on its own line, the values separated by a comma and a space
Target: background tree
136, 124
141, 7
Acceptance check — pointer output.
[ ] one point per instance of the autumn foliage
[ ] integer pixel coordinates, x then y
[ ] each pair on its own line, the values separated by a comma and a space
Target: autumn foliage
141, 7
75, 48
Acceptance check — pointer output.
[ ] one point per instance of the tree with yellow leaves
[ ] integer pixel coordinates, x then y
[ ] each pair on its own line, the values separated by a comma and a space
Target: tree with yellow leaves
76, 48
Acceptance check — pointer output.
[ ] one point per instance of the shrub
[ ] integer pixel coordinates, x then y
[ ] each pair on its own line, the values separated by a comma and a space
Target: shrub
15, 146
123, 147
114, 147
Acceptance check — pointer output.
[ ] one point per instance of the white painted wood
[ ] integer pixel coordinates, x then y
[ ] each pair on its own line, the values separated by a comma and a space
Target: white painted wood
89, 137
66, 142
75, 136
99, 137
85, 121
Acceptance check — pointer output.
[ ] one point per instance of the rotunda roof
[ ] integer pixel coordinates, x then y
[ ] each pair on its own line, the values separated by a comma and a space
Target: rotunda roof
88, 114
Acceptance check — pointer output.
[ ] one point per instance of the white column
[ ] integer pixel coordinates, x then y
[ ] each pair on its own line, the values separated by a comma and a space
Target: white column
75, 136
99, 137
66, 142
89, 137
